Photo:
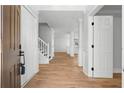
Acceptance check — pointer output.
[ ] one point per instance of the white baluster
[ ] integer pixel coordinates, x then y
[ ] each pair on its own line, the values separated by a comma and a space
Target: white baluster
44, 47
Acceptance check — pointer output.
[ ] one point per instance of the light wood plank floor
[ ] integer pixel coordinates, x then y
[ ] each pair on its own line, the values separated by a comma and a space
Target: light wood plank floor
63, 72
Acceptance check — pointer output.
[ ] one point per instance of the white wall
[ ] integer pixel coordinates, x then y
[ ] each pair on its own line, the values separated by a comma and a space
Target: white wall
117, 44
29, 42
61, 41
68, 44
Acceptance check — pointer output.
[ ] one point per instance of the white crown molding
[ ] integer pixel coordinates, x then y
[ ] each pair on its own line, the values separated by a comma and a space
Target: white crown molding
31, 11
58, 8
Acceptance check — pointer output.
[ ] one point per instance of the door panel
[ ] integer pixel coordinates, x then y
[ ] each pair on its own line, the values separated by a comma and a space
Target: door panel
10, 44
103, 46
12, 28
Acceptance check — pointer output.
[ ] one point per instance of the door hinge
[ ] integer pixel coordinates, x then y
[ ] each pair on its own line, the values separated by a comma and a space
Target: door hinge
92, 23
123, 70
92, 68
92, 46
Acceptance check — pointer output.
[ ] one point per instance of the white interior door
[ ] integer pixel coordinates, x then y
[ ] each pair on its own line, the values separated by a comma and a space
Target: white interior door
103, 46
0, 46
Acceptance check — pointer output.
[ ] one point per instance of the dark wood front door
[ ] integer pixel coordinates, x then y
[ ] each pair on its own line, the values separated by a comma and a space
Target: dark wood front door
10, 46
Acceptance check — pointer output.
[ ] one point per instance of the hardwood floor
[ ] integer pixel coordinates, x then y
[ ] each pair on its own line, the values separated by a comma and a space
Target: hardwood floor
63, 72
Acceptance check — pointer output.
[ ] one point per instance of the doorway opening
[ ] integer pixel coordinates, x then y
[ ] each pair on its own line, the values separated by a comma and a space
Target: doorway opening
60, 29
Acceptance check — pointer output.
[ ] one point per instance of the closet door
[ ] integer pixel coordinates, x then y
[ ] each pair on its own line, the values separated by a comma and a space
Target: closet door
103, 46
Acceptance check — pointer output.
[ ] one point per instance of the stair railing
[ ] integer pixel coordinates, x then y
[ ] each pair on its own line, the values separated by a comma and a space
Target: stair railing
43, 47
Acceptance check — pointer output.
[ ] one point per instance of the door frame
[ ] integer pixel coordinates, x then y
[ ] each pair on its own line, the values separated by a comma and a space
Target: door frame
0, 45
90, 16
94, 10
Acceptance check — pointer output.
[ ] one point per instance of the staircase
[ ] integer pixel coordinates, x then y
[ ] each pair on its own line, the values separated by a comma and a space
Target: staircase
43, 51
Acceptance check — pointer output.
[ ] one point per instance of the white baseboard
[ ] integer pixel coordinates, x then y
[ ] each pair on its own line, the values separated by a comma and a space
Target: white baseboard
85, 72
51, 58
22, 86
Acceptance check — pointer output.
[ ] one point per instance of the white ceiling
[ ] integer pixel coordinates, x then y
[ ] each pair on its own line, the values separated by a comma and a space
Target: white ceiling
64, 20
61, 18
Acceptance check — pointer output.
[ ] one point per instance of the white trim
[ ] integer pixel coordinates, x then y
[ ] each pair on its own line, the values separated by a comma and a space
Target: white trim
80, 52
31, 11
90, 13
90, 42
94, 10
0, 48
22, 86
72, 44
85, 72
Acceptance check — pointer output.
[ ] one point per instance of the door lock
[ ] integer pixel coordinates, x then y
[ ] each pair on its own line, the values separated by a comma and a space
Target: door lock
22, 65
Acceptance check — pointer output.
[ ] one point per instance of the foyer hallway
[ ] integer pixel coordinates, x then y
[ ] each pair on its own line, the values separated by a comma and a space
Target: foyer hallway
64, 72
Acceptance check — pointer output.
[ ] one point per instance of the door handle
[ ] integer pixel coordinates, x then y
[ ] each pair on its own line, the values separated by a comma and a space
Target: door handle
21, 53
